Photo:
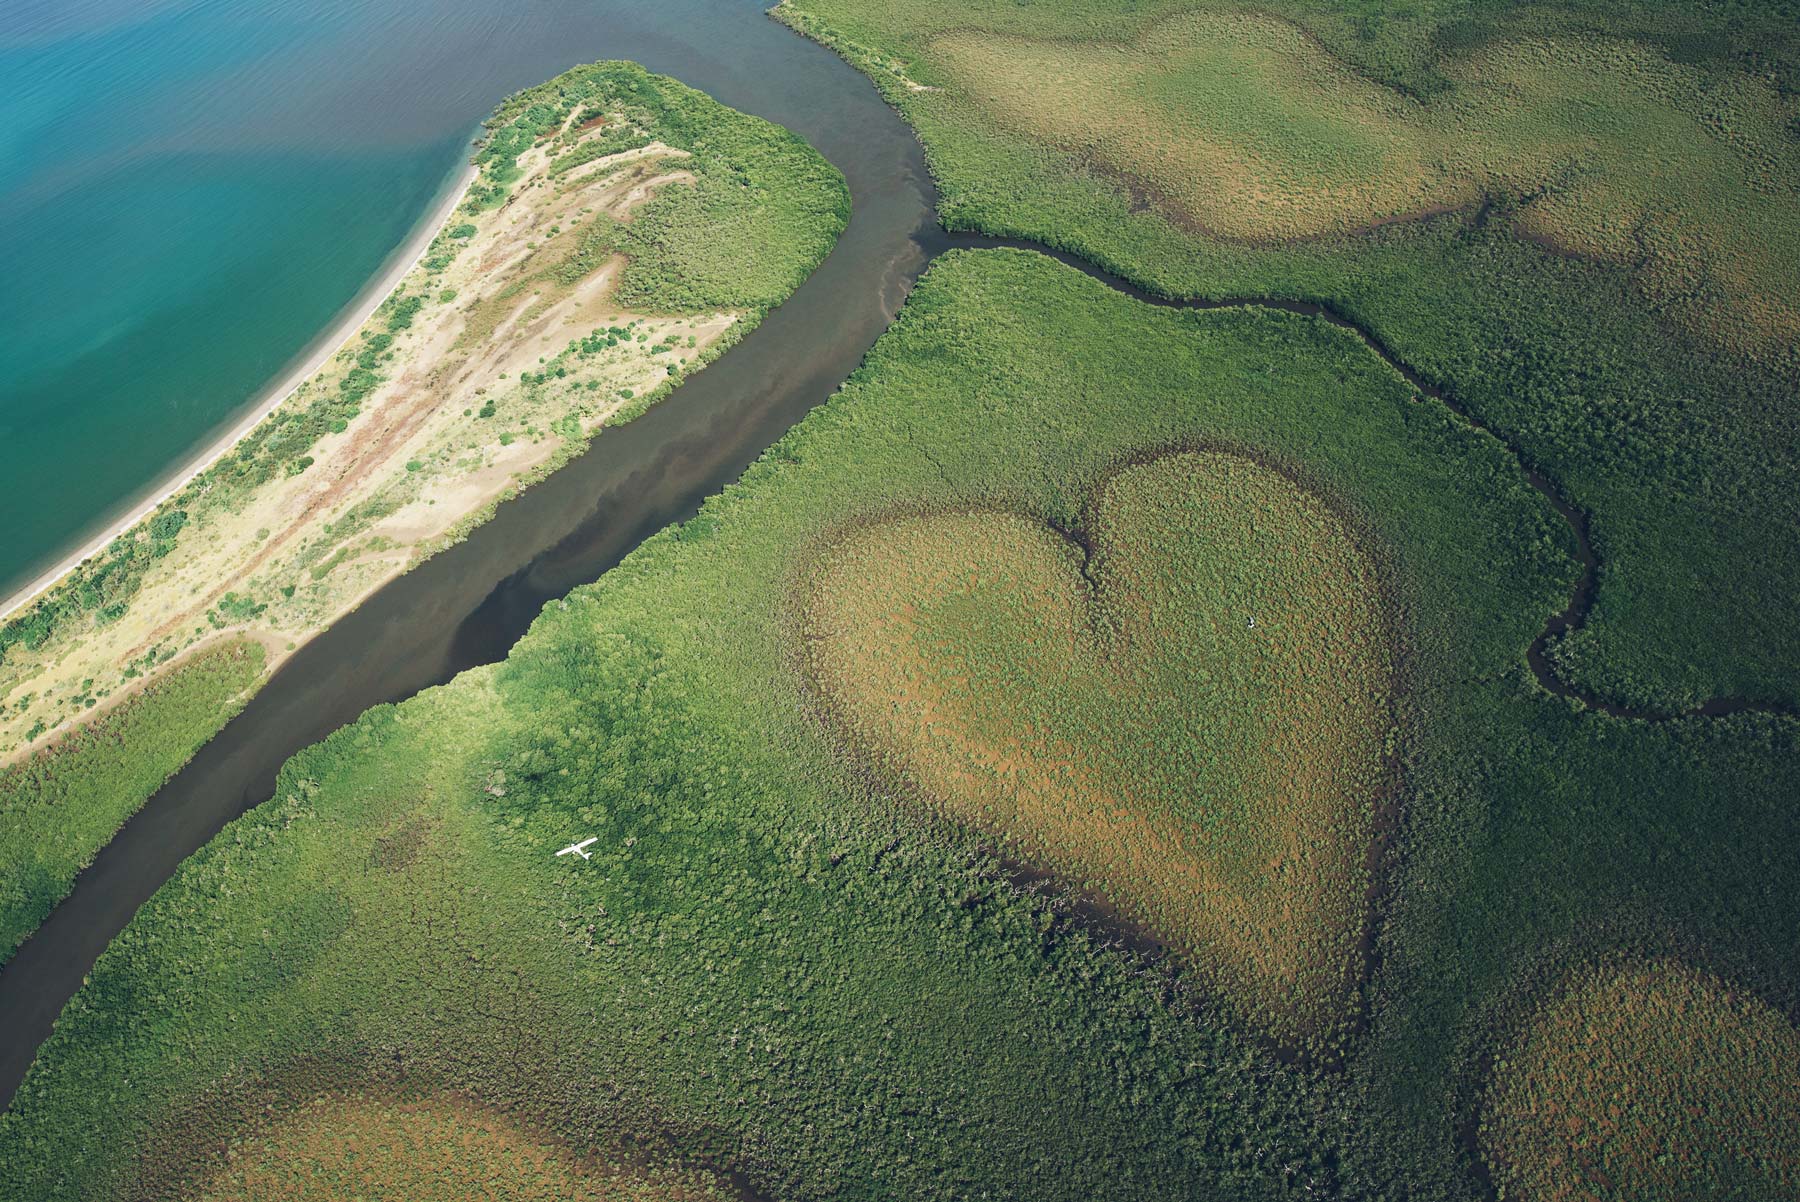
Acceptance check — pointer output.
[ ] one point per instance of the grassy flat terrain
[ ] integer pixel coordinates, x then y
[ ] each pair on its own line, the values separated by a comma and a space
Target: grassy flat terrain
374, 1147
1648, 1081
1191, 712
622, 231
773, 955
781, 961
1579, 220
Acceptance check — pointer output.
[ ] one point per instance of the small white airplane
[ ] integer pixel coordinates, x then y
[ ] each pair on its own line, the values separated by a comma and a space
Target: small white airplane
579, 849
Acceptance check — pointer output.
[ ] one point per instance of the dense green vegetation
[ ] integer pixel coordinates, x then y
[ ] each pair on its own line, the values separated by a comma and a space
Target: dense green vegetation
1400, 46
1244, 127
1613, 381
779, 959
1580, 297
764, 208
61, 805
100, 589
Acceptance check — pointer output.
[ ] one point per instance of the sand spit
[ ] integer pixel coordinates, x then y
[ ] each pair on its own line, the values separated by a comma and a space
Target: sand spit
483, 388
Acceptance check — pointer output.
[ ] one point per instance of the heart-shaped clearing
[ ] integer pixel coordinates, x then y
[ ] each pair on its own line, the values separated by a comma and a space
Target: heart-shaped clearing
1190, 721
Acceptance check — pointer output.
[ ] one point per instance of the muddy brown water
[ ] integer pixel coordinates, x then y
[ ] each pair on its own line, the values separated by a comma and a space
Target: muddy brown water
468, 605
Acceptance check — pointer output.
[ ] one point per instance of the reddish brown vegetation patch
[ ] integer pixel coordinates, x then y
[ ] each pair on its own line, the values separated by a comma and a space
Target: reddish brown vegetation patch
1647, 1081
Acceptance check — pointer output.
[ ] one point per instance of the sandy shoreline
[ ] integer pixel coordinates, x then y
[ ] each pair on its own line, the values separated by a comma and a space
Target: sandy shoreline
324, 346
418, 465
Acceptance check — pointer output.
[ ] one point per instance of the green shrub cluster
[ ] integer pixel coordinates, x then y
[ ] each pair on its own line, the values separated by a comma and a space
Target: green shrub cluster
281, 440
599, 241
101, 589
65, 801
614, 141
763, 210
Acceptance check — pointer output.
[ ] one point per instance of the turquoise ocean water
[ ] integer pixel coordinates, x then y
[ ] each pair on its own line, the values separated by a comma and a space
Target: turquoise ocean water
190, 190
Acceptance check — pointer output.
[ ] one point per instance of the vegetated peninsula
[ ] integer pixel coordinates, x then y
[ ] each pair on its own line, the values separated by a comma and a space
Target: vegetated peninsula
620, 231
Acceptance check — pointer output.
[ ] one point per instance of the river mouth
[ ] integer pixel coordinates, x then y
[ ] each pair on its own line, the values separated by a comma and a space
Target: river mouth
468, 605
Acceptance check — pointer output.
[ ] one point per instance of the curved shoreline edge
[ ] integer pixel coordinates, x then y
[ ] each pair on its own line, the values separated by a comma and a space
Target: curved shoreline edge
318, 351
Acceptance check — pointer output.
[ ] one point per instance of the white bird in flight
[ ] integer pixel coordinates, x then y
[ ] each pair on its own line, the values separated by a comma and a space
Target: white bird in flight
579, 849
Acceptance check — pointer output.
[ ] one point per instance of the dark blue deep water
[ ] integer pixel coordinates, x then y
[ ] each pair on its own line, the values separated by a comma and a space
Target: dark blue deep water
191, 190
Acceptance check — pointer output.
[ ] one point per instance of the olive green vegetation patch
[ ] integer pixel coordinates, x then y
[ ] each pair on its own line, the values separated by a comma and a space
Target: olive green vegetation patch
1245, 128
776, 960
429, 1149
1647, 1080
762, 211
1401, 47
65, 801
1191, 711
1611, 380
